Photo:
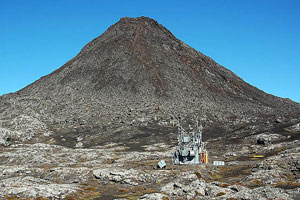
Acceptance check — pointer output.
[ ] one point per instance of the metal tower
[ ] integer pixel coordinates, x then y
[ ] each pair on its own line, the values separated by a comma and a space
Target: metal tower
191, 148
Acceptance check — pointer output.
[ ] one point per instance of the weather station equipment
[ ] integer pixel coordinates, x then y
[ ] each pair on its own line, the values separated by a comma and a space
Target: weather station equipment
191, 149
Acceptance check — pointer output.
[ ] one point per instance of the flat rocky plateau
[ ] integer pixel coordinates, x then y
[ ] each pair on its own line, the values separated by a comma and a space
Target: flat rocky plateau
96, 127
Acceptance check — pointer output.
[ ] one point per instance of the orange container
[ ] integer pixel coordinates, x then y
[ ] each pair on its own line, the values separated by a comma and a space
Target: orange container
204, 157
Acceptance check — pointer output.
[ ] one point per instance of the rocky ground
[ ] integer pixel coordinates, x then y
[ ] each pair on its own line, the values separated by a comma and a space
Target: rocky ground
263, 165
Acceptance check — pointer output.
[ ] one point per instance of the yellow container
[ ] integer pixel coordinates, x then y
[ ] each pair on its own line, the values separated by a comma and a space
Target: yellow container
257, 156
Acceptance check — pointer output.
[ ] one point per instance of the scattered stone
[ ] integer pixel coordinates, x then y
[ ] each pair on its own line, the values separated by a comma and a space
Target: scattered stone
155, 196
28, 187
79, 145
264, 139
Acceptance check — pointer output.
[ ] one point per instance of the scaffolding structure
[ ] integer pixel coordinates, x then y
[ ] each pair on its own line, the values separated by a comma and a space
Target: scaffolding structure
191, 148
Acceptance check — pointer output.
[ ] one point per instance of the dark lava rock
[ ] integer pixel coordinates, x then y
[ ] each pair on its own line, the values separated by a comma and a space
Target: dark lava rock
262, 141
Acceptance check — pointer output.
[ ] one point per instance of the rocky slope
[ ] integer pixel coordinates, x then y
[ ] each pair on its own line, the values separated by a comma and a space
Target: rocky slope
137, 62
99, 124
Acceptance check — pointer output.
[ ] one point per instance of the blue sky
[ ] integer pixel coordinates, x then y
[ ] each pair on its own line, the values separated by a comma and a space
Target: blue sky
259, 40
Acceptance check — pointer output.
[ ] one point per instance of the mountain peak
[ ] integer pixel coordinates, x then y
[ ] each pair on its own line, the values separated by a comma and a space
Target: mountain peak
133, 22
127, 28
142, 19
139, 62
